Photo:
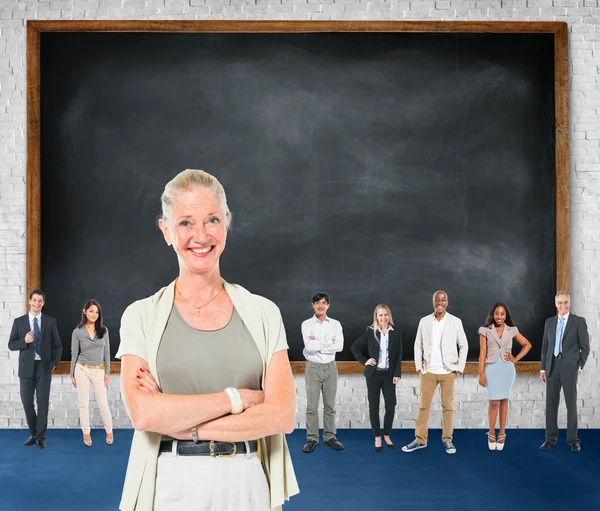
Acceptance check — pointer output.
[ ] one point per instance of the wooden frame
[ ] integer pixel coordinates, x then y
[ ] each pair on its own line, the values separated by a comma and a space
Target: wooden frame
561, 90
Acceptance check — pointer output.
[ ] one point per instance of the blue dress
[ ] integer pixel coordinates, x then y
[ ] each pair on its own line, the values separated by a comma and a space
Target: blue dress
499, 374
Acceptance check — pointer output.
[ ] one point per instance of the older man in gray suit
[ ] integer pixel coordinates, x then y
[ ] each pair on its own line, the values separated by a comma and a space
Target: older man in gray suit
565, 349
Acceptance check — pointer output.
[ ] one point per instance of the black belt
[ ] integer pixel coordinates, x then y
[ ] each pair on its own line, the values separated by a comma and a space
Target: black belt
208, 448
382, 370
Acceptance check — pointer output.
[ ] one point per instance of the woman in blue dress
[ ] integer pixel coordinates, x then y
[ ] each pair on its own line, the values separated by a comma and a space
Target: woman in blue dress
496, 367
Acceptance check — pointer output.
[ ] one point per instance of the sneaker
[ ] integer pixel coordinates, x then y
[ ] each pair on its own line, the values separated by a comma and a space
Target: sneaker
413, 446
450, 449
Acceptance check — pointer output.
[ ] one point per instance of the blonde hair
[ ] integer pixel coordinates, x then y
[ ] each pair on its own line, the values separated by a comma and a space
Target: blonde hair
375, 325
192, 178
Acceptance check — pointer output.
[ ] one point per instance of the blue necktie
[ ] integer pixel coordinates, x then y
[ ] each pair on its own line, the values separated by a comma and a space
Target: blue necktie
36, 335
558, 339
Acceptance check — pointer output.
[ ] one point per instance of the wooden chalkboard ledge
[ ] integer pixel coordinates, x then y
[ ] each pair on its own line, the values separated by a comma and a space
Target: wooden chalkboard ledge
347, 368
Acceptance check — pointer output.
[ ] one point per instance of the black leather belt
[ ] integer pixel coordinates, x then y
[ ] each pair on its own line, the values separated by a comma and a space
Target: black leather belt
208, 448
381, 370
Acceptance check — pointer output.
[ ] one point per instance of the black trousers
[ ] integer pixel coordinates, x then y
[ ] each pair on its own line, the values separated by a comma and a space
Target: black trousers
40, 384
381, 381
563, 373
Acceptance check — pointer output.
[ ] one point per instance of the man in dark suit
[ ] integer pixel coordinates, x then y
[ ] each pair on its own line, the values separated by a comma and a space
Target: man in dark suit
565, 349
35, 336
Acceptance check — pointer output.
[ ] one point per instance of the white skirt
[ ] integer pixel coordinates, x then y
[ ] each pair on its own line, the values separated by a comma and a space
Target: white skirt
207, 483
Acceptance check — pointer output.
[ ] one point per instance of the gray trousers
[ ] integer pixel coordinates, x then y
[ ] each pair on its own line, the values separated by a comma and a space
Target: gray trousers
38, 384
563, 373
320, 378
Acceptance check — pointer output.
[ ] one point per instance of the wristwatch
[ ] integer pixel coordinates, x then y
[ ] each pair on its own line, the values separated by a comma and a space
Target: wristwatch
237, 405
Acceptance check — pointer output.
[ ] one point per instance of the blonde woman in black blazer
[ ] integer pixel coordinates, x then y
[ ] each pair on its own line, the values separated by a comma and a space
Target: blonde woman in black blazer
379, 349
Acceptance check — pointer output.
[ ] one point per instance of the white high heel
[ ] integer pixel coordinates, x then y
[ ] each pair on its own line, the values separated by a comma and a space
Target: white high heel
500, 446
492, 445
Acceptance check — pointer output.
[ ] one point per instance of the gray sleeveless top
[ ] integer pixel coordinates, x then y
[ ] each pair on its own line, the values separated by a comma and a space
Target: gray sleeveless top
191, 361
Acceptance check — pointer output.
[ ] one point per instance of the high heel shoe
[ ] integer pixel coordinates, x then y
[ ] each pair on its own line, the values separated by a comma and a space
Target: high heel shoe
109, 438
500, 445
390, 445
492, 444
378, 448
87, 441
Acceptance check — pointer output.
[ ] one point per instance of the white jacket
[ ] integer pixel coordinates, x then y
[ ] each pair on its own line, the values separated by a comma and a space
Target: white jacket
454, 344
142, 327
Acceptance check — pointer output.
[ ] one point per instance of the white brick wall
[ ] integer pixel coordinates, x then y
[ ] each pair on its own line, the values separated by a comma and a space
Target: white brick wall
527, 405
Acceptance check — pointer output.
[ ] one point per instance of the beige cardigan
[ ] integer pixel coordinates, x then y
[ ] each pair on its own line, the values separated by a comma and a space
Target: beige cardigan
142, 326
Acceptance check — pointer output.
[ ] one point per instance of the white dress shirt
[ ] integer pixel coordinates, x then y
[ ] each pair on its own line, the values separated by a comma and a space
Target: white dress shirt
564, 326
328, 339
384, 349
436, 364
39, 319
566, 316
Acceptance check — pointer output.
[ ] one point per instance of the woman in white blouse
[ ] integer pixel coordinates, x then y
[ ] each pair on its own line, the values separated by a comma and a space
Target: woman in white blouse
379, 349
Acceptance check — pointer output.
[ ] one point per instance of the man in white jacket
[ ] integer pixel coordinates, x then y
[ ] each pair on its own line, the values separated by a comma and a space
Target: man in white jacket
440, 354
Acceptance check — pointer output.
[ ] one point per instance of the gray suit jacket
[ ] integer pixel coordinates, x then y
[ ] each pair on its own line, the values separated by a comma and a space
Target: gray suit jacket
50, 345
575, 342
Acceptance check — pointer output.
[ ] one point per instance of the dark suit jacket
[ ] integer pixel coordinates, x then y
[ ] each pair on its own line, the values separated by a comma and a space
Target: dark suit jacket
575, 342
367, 346
50, 345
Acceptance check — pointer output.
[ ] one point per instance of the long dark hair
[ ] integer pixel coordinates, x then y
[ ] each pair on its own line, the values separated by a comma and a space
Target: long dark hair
100, 328
490, 317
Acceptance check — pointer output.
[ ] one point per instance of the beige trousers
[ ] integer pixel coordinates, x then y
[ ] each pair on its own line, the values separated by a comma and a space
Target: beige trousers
86, 376
206, 483
429, 382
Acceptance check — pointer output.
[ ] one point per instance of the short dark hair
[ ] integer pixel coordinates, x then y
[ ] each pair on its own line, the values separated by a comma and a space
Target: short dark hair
317, 297
37, 292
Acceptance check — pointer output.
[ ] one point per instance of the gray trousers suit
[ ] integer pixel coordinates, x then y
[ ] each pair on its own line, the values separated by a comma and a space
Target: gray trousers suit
562, 372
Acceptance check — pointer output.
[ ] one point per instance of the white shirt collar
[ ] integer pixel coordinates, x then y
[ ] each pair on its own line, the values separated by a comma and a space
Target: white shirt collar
317, 320
566, 316
440, 320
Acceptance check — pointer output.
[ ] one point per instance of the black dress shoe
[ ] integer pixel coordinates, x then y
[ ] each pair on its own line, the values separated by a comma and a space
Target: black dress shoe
29, 441
40, 444
335, 444
378, 449
390, 446
310, 446
575, 447
546, 446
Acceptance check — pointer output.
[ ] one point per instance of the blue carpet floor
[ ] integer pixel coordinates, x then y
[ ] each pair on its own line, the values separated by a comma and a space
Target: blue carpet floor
68, 476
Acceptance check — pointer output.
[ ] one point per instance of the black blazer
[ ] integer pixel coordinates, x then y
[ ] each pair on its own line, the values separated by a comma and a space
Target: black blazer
367, 346
575, 342
50, 345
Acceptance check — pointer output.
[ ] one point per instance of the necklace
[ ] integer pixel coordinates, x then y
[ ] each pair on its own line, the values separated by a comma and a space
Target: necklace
196, 308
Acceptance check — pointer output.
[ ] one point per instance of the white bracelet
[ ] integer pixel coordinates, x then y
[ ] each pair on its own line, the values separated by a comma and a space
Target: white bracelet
237, 405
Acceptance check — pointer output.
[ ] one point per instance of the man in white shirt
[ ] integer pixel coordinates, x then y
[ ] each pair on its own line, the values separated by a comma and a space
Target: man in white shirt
440, 354
323, 338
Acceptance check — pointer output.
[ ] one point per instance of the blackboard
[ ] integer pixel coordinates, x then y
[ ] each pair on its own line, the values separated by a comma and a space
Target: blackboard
378, 167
